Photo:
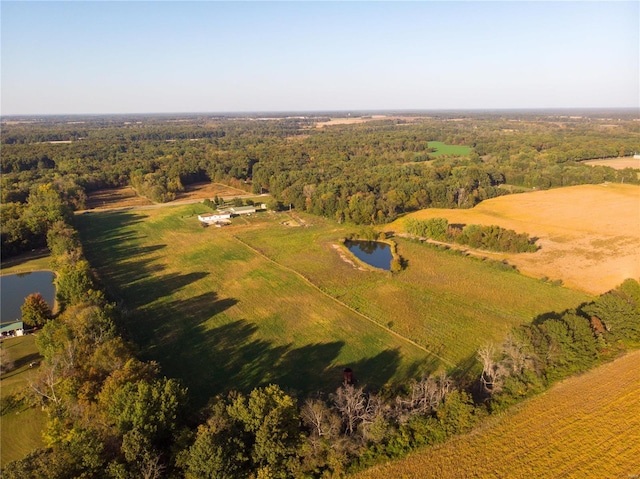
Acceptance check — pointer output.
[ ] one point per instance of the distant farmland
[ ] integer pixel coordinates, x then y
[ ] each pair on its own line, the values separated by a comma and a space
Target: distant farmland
617, 163
261, 302
586, 426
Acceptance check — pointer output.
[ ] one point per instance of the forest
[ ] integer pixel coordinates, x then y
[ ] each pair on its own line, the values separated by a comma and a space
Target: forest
367, 173
113, 415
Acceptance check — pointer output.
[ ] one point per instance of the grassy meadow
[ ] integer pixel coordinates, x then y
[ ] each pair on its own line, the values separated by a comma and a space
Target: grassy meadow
261, 301
444, 149
586, 426
21, 425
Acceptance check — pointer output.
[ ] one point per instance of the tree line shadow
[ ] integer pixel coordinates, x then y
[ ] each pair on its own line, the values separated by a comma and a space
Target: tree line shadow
232, 356
210, 359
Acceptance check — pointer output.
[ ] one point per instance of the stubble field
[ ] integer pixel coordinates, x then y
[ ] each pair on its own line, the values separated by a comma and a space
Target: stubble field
589, 235
586, 426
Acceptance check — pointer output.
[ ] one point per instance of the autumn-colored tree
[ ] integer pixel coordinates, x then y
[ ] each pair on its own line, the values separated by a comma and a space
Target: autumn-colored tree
35, 310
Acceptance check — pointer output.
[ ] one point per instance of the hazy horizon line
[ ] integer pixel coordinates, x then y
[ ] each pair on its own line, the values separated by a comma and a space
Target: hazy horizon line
336, 111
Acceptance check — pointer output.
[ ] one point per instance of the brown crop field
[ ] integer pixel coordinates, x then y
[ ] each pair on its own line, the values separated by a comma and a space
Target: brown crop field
122, 197
208, 190
617, 163
586, 426
127, 197
589, 235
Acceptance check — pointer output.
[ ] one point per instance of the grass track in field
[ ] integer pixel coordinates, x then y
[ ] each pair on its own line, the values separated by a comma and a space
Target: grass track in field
449, 304
21, 428
219, 315
586, 426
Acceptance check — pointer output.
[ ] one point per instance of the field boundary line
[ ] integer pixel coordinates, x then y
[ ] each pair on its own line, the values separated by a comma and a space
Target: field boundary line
344, 305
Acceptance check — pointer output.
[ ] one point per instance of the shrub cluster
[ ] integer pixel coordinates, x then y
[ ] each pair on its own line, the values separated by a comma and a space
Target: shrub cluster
492, 238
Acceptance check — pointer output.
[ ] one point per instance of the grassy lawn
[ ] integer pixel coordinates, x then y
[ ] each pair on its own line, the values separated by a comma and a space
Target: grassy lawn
260, 302
37, 260
20, 426
586, 426
219, 315
444, 149
447, 303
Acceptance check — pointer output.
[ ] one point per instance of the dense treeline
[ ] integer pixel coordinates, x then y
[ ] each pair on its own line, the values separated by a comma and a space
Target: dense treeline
492, 238
556, 345
366, 173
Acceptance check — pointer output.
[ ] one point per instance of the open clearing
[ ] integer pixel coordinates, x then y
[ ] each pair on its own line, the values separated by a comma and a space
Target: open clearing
589, 235
127, 197
123, 197
586, 426
444, 149
199, 191
21, 426
617, 163
260, 301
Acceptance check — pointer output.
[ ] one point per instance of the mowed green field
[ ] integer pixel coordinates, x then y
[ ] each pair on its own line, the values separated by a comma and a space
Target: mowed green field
444, 149
220, 316
261, 302
20, 426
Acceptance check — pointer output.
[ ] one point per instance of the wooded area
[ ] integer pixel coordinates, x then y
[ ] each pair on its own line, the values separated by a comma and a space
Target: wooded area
367, 173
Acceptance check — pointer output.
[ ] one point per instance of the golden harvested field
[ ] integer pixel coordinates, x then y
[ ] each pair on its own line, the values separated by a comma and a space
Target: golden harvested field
617, 163
589, 235
587, 426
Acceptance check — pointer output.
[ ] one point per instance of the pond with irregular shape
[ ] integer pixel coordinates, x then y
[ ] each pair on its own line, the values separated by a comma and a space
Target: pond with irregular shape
373, 253
15, 287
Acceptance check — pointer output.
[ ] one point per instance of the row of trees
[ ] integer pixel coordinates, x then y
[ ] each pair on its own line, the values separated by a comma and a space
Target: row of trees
492, 238
113, 416
556, 345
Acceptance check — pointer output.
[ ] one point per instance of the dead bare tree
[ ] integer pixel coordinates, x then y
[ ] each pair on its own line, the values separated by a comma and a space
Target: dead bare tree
424, 398
493, 372
320, 419
45, 383
351, 404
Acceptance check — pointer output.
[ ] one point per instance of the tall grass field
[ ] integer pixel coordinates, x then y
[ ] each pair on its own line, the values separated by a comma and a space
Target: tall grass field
261, 301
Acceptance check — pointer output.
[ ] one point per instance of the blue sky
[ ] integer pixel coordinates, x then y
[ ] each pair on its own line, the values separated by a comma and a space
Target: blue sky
138, 57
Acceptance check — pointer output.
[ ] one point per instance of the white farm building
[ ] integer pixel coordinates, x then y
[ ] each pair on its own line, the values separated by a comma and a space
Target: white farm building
214, 218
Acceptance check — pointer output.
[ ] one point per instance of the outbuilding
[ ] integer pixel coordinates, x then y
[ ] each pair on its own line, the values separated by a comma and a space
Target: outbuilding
213, 218
12, 329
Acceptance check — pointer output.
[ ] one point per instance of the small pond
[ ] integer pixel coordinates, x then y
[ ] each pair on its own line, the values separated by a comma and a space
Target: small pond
15, 287
373, 253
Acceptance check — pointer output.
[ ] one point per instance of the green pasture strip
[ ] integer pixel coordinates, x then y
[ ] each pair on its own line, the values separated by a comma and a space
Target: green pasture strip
27, 262
21, 426
220, 316
447, 303
444, 149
